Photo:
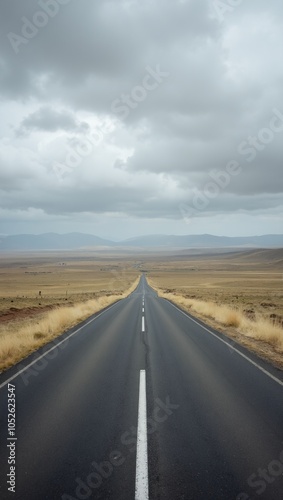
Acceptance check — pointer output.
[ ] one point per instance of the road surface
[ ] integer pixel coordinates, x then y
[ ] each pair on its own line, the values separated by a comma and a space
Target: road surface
142, 402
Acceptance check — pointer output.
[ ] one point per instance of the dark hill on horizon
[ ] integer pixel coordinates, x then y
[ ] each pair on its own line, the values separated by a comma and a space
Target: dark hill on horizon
81, 241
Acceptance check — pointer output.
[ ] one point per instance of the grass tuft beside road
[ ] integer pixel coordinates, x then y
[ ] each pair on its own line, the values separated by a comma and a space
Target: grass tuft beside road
258, 328
17, 344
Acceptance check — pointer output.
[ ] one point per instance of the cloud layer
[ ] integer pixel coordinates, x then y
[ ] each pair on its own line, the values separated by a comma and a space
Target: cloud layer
134, 112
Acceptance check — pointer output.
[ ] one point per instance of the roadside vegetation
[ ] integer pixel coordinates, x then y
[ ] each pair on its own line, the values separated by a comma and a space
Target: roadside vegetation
28, 321
240, 296
17, 344
258, 328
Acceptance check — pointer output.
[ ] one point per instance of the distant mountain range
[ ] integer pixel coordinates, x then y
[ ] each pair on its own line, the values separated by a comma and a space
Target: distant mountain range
81, 241
206, 241
52, 241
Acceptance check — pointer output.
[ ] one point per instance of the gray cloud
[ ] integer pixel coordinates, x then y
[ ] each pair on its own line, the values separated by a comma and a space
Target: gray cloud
50, 120
58, 86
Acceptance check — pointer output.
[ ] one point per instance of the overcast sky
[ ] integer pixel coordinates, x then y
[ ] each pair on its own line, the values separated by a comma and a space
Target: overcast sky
131, 117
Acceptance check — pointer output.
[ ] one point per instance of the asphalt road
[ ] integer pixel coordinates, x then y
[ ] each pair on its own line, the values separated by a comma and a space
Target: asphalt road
213, 412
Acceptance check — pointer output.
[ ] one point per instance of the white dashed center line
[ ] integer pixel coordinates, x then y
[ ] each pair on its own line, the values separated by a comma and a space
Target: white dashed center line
141, 492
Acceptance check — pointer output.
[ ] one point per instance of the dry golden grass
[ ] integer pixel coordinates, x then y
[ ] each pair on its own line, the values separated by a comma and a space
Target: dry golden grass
28, 326
15, 345
242, 299
259, 328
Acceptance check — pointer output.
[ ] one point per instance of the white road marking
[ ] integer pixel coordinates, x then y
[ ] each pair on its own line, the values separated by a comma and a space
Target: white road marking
141, 492
143, 329
54, 347
231, 347
143, 309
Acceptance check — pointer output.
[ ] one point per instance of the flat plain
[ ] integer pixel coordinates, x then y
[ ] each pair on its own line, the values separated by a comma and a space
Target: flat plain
251, 280
239, 293
43, 294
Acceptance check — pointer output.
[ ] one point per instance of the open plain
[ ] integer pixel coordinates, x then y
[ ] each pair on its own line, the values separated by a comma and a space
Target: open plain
240, 293
43, 294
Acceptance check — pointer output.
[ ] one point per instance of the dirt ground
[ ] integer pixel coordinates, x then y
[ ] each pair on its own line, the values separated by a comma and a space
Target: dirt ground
33, 284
